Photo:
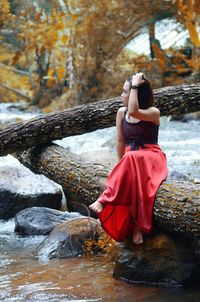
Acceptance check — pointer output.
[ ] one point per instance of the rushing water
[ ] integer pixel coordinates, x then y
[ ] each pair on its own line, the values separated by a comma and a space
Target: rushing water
180, 141
24, 277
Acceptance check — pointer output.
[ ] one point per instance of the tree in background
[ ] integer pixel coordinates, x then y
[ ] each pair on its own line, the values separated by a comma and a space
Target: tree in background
77, 46
189, 15
41, 39
4, 12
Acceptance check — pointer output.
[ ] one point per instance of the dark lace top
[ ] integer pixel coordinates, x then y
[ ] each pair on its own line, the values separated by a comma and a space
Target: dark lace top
140, 133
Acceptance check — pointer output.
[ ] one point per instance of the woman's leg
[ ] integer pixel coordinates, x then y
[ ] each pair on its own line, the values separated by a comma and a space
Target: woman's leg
137, 236
96, 207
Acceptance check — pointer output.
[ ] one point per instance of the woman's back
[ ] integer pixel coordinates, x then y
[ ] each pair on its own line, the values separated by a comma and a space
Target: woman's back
143, 131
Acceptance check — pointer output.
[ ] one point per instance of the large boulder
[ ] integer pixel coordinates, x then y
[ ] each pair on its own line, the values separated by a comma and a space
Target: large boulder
177, 175
40, 220
193, 116
67, 238
160, 260
20, 188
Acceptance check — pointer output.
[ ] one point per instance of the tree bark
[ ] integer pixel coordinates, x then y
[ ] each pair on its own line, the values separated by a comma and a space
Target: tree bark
177, 207
90, 117
177, 203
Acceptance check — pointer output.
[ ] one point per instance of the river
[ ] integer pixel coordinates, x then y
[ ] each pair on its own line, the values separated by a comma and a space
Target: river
24, 277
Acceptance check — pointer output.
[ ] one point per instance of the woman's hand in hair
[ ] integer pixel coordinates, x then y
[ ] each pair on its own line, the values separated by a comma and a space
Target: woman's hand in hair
138, 79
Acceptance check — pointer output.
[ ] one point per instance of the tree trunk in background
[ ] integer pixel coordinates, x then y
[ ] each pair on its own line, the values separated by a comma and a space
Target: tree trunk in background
151, 30
90, 117
97, 44
177, 203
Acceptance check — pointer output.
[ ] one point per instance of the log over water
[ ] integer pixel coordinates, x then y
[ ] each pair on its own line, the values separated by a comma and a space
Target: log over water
177, 205
90, 117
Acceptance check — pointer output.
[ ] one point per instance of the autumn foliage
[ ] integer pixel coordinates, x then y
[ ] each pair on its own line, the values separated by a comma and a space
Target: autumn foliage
104, 245
4, 12
72, 52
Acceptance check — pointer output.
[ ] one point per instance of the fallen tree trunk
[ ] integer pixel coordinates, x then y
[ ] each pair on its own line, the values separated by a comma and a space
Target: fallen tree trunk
177, 205
90, 117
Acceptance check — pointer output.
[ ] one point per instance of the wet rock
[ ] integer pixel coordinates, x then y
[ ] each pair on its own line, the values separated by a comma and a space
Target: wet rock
66, 239
177, 175
20, 189
160, 260
194, 116
40, 220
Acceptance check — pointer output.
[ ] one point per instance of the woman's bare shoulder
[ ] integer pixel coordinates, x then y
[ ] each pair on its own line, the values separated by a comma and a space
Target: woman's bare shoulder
156, 110
121, 110
155, 115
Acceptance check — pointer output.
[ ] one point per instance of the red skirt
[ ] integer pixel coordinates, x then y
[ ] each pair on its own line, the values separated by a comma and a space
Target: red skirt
130, 192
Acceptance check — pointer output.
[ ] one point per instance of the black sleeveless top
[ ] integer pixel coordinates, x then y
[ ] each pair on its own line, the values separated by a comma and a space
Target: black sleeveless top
140, 133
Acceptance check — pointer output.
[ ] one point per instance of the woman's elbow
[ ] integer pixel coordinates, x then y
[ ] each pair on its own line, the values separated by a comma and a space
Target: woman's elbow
133, 112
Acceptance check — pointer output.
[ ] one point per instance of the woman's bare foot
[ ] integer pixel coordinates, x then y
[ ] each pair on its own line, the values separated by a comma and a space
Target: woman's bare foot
96, 207
137, 236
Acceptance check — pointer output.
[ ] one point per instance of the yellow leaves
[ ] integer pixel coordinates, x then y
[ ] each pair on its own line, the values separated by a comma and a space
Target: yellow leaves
74, 17
4, 7
50, 72
193, 34
160, 55
61, 73
105, 245
60, 26
62, 14
50, 39
4, 12
50, 82
188, 10
16, 57
88, 246
50, 77
11, 78
64, 39
92, 29
42, 30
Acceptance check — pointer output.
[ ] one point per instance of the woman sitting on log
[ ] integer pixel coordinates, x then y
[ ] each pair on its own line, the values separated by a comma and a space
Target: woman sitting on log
126, 206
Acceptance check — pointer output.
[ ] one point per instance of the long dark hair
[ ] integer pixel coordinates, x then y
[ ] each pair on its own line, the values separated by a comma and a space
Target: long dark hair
145, 93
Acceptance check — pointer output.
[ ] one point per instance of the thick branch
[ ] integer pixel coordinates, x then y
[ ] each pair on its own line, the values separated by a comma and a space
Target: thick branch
16, 91
87, 118
22, 72
177, 205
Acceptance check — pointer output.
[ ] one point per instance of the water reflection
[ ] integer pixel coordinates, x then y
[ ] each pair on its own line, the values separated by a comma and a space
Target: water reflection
25, 278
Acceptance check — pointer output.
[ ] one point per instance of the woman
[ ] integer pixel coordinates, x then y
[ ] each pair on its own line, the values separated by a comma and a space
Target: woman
126, 206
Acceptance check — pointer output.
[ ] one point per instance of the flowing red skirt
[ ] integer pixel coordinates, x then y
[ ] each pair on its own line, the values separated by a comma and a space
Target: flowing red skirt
130, 192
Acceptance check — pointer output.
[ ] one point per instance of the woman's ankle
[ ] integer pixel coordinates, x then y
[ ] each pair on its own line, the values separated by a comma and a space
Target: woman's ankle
137, 236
